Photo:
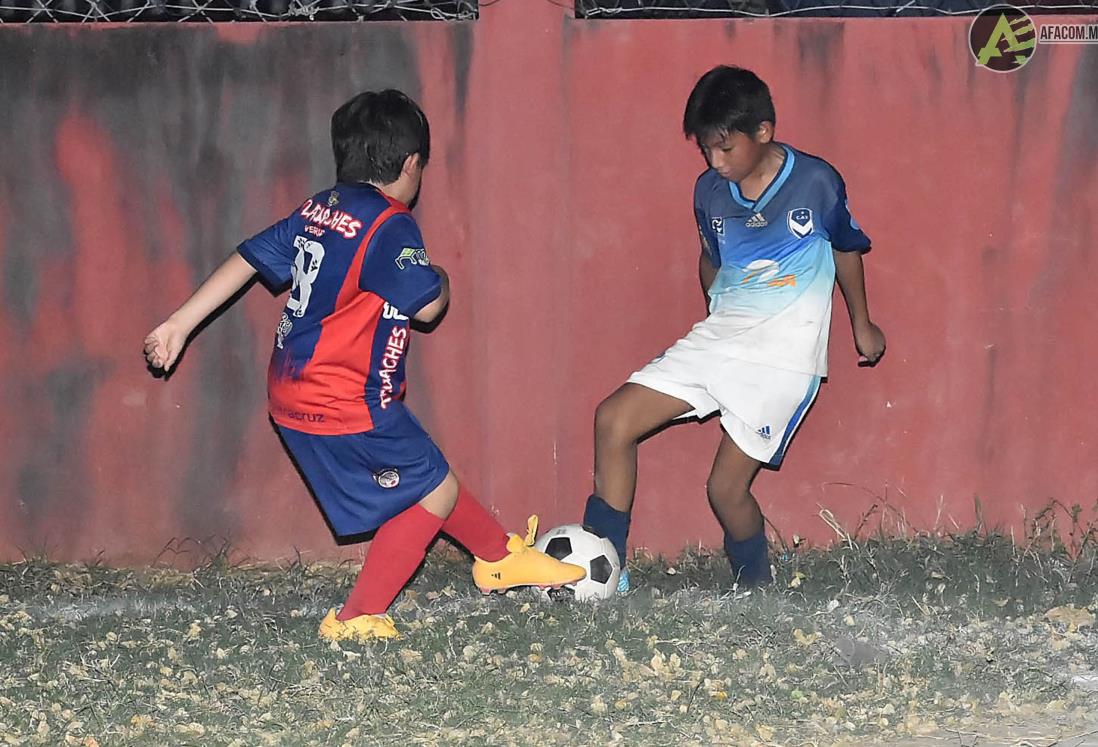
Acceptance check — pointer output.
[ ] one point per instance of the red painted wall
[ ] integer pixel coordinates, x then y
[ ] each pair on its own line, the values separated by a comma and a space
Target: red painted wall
558, 197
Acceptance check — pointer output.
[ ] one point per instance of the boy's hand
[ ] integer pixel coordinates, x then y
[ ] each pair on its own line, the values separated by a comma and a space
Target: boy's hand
164, 344
870, 342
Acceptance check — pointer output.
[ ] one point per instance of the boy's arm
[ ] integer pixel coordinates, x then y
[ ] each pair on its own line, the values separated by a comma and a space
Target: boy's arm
868, 337
431, 311
398, 269
707, 272
164, 344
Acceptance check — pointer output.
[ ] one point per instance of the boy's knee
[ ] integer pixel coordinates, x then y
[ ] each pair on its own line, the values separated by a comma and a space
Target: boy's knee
441, 500
728, 492
612, 422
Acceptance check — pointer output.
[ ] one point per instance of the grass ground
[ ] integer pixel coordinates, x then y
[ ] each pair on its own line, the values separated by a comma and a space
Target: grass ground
924, 640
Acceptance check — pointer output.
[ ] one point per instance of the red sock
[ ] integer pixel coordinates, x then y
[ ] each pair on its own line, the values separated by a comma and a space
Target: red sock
476, 529
397, 550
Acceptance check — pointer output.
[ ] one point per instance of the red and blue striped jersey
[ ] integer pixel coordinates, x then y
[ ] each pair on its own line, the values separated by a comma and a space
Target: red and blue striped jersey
357, 269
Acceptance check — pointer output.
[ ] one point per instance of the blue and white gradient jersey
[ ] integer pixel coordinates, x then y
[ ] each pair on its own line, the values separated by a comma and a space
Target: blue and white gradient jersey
770, 302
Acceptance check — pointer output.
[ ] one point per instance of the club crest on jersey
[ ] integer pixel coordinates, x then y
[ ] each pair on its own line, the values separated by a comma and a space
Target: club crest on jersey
389, 478
800, 222
333, 199
718, 226
756, 221
412, 255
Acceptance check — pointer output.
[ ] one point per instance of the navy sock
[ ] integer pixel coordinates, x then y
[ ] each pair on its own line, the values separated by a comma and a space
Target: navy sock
602, 518
749, 559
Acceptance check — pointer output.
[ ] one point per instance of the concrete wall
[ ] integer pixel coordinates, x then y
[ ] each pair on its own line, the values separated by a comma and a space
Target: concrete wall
558, 197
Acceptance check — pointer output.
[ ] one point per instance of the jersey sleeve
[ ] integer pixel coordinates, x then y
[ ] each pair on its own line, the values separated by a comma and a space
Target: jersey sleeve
846, 235
704, 220
396, 266
271, 252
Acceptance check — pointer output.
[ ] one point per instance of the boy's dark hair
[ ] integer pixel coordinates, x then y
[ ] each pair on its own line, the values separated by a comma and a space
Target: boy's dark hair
727, 99
373, 133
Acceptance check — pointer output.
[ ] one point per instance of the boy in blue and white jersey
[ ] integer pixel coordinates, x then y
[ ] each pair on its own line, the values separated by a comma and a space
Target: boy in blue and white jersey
776, 233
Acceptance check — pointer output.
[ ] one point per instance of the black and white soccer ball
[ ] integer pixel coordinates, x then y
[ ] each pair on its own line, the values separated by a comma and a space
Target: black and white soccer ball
573, 543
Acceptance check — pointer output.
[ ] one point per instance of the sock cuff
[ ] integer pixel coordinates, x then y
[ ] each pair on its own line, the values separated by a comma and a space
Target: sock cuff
597, 509
755, 542
606, 520
414, 524
418, 515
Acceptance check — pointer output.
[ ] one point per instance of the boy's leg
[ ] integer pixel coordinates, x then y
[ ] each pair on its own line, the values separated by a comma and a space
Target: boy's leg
729, 490
397, 550
502, 561
475, 529
621, 420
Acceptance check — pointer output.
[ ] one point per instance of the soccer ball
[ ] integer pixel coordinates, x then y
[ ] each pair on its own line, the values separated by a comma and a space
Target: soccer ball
580, 546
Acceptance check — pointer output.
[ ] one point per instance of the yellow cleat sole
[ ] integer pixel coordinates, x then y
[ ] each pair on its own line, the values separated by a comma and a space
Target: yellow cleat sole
546, 587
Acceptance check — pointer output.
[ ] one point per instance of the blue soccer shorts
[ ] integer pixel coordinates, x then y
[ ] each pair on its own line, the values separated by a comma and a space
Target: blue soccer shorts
361, 480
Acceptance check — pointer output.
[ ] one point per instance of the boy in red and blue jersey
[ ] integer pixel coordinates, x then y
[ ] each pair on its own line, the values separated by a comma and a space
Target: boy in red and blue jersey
358, 270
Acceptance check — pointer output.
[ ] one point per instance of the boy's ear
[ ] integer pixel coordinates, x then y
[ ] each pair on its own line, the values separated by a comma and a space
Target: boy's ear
765, 133
411, 163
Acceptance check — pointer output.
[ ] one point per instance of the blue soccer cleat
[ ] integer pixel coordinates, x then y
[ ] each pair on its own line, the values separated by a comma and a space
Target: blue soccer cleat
623, 582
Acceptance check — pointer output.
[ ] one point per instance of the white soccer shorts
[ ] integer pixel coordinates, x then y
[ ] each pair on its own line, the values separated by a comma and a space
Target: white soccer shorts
761, 407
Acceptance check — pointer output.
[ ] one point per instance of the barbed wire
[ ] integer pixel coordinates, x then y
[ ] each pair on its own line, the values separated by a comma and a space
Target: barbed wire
92, 11
652, 9
98, 11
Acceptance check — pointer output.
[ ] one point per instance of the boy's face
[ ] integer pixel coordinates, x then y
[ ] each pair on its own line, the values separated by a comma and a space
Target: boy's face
735, 155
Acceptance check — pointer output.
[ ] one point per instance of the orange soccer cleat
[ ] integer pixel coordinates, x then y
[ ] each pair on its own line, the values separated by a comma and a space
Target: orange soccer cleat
524, 565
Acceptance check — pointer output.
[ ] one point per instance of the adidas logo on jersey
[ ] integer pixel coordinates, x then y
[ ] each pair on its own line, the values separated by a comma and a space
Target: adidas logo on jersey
756, 221
764, 432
